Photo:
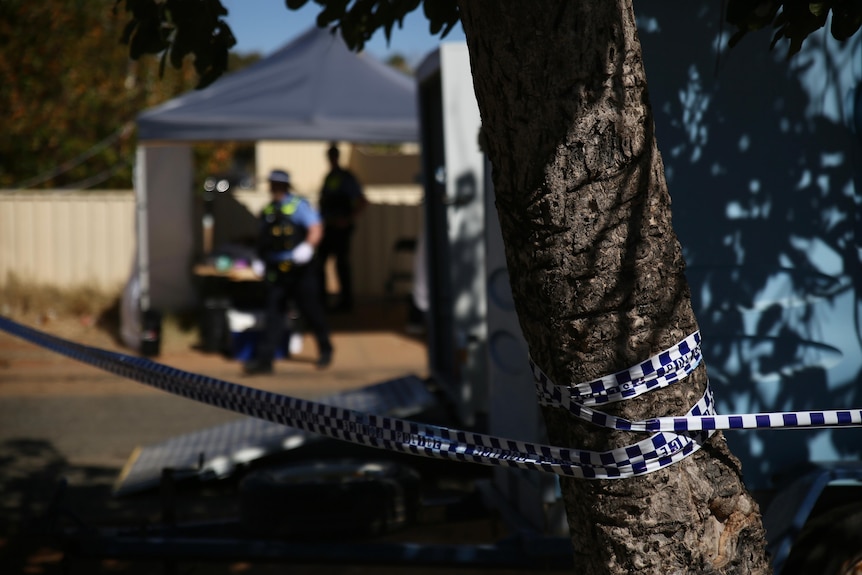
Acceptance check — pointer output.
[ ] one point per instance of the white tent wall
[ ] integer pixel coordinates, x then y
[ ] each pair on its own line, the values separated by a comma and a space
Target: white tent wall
66, 238
165, 218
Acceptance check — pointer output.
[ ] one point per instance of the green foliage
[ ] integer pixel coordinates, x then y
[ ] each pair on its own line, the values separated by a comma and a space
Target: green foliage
67, 87
181, 27
70, 92
358, 20
400, 63
177, 29
70, 95
442, 15
794, 20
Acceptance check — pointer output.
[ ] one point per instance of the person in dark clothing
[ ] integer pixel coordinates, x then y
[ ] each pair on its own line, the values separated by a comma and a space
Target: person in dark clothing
341, 200
290, 229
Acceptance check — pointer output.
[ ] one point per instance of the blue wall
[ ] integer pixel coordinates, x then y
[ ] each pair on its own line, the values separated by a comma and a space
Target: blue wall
764, 167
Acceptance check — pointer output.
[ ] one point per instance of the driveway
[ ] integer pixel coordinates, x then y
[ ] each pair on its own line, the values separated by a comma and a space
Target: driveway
64, 421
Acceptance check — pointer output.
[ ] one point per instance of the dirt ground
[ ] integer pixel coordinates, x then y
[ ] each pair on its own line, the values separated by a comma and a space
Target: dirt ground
66, 423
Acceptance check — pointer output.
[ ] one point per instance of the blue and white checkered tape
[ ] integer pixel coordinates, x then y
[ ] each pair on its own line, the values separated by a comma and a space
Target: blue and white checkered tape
677, 437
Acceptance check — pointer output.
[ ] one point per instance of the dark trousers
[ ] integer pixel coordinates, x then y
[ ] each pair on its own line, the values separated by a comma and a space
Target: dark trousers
299, 285
336, 243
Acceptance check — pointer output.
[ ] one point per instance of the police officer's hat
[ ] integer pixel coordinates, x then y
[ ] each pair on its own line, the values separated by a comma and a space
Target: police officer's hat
280, 176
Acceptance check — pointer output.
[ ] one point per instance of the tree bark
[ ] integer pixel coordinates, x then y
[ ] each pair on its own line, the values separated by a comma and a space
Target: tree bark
597, 272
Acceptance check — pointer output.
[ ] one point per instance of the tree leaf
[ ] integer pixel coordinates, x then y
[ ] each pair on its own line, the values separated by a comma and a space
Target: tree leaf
442, 15
846, 19
820, 9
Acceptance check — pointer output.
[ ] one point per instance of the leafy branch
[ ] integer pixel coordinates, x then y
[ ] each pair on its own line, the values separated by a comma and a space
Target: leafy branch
179, 28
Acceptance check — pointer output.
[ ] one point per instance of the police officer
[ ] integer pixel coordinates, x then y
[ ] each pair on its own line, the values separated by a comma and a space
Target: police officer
289, 232
341, 201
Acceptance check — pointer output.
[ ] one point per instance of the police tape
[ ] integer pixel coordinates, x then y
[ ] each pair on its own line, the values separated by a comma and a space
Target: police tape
660, 371
662, 449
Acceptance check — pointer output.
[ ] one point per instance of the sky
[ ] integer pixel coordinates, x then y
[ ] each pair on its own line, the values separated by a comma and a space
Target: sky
265, 25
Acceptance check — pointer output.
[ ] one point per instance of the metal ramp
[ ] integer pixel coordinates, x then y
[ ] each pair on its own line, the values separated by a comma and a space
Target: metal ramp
215, 452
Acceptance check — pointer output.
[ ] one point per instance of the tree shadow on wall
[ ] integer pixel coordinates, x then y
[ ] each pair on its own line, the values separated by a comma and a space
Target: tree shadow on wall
761, 172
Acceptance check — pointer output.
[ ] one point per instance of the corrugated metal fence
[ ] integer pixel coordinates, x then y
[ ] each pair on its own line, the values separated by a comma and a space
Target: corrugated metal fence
68, 239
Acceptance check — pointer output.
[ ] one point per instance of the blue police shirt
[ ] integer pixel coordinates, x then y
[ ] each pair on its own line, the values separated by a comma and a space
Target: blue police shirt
304, 215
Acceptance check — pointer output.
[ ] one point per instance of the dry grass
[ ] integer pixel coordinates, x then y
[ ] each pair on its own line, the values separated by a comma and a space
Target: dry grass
19, 298
83, 313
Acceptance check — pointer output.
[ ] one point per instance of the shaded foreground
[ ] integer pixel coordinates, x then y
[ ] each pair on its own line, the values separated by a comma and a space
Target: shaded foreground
63, 423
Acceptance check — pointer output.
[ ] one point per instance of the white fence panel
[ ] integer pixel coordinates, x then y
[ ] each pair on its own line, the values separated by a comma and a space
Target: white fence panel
67, 238
70, 239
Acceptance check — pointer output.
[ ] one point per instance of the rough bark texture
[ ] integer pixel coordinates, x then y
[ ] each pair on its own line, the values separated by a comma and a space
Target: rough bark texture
597, 271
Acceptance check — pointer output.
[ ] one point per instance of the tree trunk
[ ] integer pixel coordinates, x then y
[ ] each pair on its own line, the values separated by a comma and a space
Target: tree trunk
597, 272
